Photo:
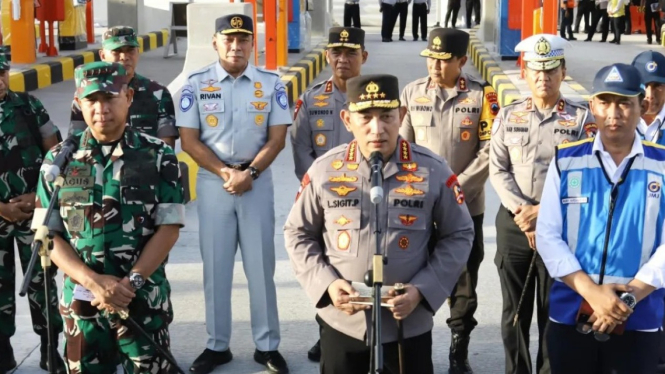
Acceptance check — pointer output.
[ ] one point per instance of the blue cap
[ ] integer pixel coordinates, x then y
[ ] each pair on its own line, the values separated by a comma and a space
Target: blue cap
651, 66
618, 79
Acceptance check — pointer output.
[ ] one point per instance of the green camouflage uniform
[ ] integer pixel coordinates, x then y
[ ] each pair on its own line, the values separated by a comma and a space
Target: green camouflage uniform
23, 123
152, 110
110, 207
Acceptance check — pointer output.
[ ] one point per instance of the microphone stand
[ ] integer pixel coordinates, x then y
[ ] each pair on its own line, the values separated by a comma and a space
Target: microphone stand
42, 247
374, 278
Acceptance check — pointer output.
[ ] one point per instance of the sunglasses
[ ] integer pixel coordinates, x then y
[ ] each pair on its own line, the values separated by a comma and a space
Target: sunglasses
124, 31
586, 328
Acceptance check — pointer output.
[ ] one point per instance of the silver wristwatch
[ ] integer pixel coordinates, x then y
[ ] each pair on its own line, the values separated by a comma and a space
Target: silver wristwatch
629, 299
136, 280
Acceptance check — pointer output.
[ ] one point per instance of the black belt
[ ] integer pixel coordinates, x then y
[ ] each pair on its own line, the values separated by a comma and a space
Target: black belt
241, 167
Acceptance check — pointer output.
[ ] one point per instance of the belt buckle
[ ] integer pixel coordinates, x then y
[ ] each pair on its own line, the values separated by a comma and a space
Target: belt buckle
234, 166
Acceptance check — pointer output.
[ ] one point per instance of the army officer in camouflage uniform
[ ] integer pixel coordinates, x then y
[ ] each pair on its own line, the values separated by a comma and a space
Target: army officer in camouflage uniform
318, 127
27, 133
329, 237
451, 113
117, 216
151, 111
524, 135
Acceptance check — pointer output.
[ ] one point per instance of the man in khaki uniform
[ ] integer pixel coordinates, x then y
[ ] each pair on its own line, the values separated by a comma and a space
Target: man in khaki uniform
451, 113
329, 234
318, 126
524, 135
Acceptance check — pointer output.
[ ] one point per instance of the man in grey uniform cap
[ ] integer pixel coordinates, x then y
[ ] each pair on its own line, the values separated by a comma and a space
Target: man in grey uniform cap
329, 235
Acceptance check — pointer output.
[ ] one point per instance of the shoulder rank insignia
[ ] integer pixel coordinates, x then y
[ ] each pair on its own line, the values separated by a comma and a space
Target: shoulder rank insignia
343, 190
329, 87
351, 154
409, 191
409, 178
404, 151
407, 219
343, 178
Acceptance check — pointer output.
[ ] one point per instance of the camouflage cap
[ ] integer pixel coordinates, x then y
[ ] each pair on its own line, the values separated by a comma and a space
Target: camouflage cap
4, 58
118, 37
99, 76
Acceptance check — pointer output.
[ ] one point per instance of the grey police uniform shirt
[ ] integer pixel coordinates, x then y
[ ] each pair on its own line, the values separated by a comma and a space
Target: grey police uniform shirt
317, 127
456, 127
329, 232
522, 147
233, 114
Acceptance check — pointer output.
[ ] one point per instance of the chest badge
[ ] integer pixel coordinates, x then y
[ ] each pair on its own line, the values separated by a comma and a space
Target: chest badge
320, 122
352, 167
257, 85
409, 191
407, 219
320, 140
467, 122
212, 120
320, 104
411, 166
259, 105
343, 221
259, 119
258, 94
465, 135
210, 87
321, 97
409, 178
516, 154
343, 178
337, 164
343, 240
343, 190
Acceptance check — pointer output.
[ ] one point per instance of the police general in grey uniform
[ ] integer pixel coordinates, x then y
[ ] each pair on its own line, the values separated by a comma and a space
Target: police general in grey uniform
524, 135
330, 240
233, 119
151, 111
451, 113
318, 127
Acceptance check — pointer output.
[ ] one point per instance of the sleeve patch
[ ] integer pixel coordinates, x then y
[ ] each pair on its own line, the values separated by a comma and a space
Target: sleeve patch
590, 129
495, 125
454, 185
451, 181
298, 105
303, 184
484, 131
187, 98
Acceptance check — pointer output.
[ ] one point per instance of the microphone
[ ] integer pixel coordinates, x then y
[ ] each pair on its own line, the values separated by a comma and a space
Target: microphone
53, 170
376, 164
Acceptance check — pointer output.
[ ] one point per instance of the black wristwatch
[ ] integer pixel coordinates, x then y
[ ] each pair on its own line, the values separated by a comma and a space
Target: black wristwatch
253, 172
136, 280
629, 299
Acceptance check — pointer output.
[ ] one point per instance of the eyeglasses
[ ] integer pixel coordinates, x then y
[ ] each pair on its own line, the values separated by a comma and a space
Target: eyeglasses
586, 328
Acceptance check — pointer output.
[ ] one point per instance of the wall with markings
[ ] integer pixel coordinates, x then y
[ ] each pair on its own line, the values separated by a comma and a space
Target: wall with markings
48, 73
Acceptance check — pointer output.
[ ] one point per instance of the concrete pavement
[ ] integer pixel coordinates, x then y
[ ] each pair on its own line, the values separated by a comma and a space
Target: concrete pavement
298, 328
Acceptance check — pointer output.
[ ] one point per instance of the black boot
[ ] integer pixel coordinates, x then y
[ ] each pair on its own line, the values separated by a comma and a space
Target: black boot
458, 356
7, 361
314, 353
43, 362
